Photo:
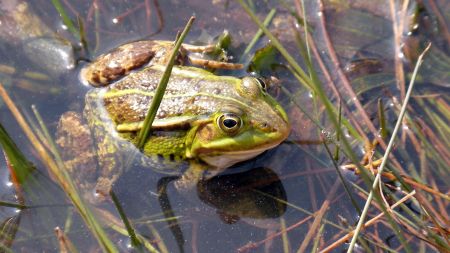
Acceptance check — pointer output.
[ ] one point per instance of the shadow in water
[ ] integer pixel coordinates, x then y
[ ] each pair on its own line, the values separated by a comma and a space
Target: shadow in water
254, 194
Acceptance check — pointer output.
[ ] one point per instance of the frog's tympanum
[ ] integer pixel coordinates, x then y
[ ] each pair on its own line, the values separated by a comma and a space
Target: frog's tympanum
205, 122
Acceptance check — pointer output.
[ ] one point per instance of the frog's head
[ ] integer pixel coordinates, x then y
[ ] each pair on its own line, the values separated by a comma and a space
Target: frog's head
241, 128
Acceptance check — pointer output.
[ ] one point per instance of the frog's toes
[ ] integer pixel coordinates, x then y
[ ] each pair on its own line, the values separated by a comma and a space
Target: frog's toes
103, 188
190, 177
185, 184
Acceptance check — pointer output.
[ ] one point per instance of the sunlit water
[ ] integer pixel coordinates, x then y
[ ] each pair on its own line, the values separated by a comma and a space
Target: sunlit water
297, 177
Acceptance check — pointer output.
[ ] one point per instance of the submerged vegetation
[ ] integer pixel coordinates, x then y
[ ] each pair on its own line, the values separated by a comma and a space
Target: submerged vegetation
366, 166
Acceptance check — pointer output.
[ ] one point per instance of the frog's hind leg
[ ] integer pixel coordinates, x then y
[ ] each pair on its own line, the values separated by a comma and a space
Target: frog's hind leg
120, 61
215, 64
74, 138
199, 49
209, 63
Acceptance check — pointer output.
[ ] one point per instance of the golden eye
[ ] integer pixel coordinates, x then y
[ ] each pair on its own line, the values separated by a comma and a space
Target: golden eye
229, 123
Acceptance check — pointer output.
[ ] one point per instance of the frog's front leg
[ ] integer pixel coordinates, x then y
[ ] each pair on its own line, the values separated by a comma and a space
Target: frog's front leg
196, 172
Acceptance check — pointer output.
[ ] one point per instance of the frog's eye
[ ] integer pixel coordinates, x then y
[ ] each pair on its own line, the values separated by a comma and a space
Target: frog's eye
229, 123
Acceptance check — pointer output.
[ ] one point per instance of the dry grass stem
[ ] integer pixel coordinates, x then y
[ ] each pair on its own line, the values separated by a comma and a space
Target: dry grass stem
366, 225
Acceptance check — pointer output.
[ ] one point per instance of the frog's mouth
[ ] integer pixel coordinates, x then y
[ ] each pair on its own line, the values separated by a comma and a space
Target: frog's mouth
229, 158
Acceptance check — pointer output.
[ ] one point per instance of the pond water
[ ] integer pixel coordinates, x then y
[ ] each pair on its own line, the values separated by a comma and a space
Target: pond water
265, 204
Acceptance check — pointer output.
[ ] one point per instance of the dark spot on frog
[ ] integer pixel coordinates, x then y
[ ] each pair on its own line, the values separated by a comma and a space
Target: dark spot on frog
95, 78
140, 59
120, 118
113, 73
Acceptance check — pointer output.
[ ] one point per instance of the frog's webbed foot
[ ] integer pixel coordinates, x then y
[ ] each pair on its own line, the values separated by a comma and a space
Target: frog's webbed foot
190, 178
103, 188
195, 173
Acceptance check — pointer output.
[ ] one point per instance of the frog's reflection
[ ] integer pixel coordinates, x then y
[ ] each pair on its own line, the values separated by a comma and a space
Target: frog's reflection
257, 193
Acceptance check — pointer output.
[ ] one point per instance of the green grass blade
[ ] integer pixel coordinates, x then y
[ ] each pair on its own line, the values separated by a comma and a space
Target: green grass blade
21, 166
341, 177
83, 37
159, 93
14, 205
65, 18
135, 243
276, 43
382, 119
8, 230
258, 34
338, 136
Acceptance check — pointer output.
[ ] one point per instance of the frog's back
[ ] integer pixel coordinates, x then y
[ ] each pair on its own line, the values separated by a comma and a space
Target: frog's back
190, 92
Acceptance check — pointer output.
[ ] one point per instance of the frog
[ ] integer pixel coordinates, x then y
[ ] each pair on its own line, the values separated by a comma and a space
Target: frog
205, 123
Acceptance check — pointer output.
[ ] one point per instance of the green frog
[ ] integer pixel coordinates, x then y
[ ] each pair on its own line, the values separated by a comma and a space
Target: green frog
205, 123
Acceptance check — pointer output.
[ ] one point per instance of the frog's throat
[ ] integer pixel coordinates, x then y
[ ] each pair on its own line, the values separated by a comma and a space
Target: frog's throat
229, 158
